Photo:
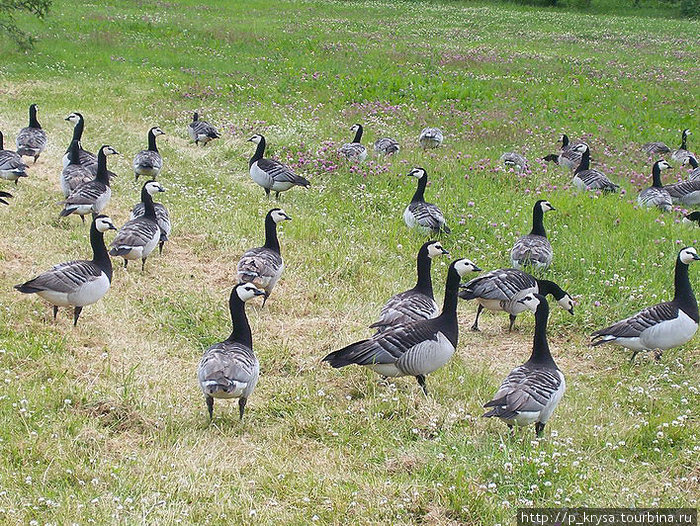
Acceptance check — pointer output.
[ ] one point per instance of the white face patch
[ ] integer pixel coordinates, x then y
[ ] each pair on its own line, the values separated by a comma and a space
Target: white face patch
256, 139
663, 165
279, 215
73, 118
688, 255
580, 148
103, 224
158, 131
435, 249
567, 303
354, 128
247, 291
417, 172
153, 187
530, 302
462, 266
108, 150
546, 206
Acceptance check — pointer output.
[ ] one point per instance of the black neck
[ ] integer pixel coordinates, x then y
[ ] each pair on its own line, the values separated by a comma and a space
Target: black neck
423, 264
358, 134
78, 129
100, 257
271, 241
540, 348
684, 140
147, 200
102, 175
195, 117
74, 151
684, 296
33, 122
418, 195
241, 328
448, 316
537, 223
152, 141
2, 145
259, 151
656, 176
547, 287
691, 160
585, 161
564, 141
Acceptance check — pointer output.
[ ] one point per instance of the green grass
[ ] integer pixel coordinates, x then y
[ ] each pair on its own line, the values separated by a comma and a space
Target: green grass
105, 423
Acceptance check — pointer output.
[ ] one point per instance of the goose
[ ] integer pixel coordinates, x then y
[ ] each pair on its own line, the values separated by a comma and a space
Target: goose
271, 174
230, 369
514, 160
656, 194
417, 303
693, 217
201, 131
138, 237
162, 218
386, 146
74, 173
31, 141
531, 392
425, 217
354, 151
93, 196
685, 192
87, 159
661, 326
682, 152
11, 165
655, 148
77, 283
430, 138
551, 158
148, 162
414, 349
263, 266
3, 196
570, 155
502, 290
586, 178
695, 174
534, 249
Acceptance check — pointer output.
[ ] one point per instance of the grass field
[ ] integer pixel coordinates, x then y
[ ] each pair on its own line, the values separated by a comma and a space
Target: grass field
105, 423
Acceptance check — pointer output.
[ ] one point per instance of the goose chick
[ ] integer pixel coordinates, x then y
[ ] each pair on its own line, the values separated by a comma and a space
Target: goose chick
354, 151
386, 146
425, 217
661, 326
31, 141
430, 138
534, 249
502, 290
87, 159
11, 165
138, 237
230, 369
149, 162
77, 283
531, 392
656, 194
414, 349
271, 174
587, 178
201, 131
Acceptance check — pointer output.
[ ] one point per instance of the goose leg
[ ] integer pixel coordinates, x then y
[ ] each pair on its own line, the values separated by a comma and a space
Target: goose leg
160, 247
210, 407
277, 196
634, 353
143, 264
421, 382
55, 312
241, 405
136, 177
76, 315
83, 219
512, 322
539, 429
35, 158
475, 327
126, 262
267, 192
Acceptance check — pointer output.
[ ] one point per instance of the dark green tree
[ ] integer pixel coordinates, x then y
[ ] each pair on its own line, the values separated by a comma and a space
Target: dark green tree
9, 9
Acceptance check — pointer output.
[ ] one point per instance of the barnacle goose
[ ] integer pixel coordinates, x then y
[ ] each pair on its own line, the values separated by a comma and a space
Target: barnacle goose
570, 155
87, 159
77, 283
502, 290
201, 131
264, 265
695, 174
430, 138
271, 174
656, 194
148, 162
414, 349
74, 173
534, 249
138, 237
3, 196
693, 217
417, 303
682, 153
31, 140
354, 151
162, 219
11, 165
531, 392
93, 196
655, 148
423, 216
230, 369
386, 146
661, 326
514, 160
586, 178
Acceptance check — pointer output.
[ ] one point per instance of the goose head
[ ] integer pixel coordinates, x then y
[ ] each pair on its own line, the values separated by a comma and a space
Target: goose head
74, 117
417, 173
662, 165
108, 150
435, 249
104, 223
278, 215
256, 139
693, 217
355, 127
153, 187
687, 132
567, 303
156, 131
580, 148
246, 291
544, 205
688, 254
464, 265
531, 301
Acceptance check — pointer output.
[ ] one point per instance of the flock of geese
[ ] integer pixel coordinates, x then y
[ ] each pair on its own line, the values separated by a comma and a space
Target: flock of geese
414, 337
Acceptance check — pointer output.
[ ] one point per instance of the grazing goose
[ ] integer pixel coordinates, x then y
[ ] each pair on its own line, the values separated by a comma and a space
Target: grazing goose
552, 157
3, 196
415, 349
655, 148
386, 146
162, 218
570, 155
695, 174
230, 369
354, 151
534, 249
138, 237
201, 131
681, 154
586, 178
693, 217
77, 283
502, 290
271, 174
430, 138
425, 217
685, 192
31, 140
93, 196
661, 326
514, 160
264, 265
532, 391
87, 159
11, 165
74, 173
417, 303
656, 194
148, 162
